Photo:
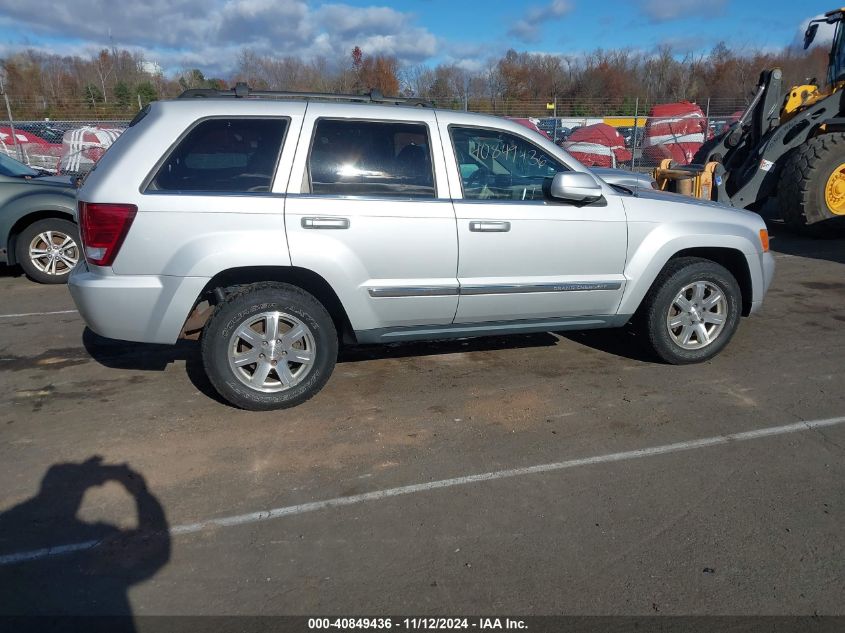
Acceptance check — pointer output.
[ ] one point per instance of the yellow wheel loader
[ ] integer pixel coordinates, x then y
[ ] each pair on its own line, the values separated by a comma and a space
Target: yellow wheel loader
790, 146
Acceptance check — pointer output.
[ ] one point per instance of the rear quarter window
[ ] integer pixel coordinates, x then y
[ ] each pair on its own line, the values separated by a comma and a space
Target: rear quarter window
223, 155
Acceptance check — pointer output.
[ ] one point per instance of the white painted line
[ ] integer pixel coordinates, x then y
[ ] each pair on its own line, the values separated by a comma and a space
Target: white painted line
275, 513
35, 554
28, 314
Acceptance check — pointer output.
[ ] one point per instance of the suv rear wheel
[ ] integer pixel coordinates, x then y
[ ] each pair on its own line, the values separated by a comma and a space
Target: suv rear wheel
691, 311
48, 250
269, 346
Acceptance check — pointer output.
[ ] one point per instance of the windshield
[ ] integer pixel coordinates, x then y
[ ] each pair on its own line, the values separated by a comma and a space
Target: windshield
10, 167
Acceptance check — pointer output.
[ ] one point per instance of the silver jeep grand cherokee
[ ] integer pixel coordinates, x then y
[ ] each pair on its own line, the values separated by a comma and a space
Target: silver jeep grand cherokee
274, 229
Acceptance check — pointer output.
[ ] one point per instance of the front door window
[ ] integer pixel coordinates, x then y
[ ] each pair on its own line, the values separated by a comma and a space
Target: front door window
499, 166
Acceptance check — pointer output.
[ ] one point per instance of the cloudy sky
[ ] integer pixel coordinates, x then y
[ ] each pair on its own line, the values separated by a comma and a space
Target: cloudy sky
209, 33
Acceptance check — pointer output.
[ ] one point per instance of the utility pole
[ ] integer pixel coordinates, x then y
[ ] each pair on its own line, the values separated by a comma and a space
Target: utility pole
11, 121
636, 133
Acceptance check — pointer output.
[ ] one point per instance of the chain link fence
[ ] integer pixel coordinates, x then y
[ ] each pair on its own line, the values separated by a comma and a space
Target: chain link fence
59, 147
629, 134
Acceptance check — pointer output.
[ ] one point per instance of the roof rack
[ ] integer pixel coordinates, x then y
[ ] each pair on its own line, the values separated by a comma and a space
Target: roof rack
243, 91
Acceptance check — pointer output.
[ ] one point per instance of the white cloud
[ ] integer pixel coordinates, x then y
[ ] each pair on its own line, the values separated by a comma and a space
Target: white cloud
377, 30
528, 27
347, 20
824, 36
668, 10
682, 45
470, 65
209, 33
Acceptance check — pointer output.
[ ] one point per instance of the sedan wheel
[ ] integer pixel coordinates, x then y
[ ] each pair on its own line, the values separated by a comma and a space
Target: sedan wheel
53, 252
48, 250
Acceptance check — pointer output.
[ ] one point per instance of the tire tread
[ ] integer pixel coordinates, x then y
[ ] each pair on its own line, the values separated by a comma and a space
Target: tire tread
652, 312
241, 293
797, 197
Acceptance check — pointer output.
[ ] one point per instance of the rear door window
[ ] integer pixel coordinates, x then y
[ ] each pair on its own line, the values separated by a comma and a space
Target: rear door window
371, 159
224, 155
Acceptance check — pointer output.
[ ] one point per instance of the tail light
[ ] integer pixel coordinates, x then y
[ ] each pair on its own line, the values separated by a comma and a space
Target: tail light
103, 227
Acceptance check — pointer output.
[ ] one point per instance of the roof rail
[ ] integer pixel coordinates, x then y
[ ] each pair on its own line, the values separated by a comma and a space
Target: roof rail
243, 91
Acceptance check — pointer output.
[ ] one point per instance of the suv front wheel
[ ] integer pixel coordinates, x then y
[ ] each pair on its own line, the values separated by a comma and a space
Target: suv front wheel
691, 311
269, 346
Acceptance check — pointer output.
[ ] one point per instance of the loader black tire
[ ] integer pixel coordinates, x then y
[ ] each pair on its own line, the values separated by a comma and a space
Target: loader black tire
806, 170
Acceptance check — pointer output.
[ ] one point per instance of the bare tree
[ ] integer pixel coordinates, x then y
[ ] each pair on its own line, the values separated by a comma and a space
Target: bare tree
104, 66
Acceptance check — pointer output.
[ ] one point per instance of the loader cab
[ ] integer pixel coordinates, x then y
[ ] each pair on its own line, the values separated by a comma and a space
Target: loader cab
836, 59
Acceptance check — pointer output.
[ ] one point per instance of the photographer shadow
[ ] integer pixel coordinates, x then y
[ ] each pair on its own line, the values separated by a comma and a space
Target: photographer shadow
54, 564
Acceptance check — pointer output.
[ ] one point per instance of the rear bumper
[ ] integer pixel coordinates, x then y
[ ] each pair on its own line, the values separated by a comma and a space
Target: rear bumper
143, 308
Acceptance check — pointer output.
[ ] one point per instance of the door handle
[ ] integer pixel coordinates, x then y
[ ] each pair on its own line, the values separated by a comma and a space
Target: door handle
488, 226
325, 223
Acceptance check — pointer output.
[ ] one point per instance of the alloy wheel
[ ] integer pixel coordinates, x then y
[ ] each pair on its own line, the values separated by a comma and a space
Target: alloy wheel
271, 351
53, 252
697, 315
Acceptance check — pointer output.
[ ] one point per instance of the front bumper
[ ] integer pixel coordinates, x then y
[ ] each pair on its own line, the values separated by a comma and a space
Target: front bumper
767, 269
142, 308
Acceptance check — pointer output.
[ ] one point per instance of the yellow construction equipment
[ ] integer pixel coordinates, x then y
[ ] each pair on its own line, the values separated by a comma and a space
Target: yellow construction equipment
788, 145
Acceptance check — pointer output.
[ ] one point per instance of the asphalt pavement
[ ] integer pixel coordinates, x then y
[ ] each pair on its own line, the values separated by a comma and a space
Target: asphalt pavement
538, 474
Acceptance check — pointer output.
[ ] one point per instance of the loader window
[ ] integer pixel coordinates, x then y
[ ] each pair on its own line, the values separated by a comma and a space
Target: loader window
837, 57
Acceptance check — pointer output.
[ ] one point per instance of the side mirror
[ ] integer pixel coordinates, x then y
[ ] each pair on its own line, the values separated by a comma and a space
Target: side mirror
810, 35
574, 186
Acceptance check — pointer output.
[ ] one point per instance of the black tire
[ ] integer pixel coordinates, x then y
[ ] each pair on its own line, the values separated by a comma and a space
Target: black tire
38, 269
245, 304
655, 310
806, 170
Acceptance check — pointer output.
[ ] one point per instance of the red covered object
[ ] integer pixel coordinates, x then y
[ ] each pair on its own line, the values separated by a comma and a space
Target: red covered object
599, 145
27, 138
30, 148
84, 146
530, 124
674, 130
681, 153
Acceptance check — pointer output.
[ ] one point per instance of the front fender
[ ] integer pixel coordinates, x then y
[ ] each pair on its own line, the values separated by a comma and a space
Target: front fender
653, 245
39, 204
